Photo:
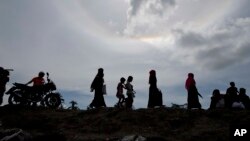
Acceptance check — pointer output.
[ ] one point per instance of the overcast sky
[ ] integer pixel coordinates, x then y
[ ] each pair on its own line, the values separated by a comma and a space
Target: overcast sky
72, 39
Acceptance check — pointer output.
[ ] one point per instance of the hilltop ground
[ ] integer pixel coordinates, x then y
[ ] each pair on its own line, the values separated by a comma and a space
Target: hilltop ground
113, 124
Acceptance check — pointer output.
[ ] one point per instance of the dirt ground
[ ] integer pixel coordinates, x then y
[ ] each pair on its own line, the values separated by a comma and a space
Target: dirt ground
110, 124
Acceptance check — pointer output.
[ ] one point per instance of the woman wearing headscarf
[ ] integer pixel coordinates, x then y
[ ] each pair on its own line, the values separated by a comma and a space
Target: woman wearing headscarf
97, 86
152, 89
193, 99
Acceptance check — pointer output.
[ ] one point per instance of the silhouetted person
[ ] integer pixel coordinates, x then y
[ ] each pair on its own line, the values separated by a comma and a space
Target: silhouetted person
231, 95
37, 81
119, 93
4, 78
244, 98
97, 86
130, 92
217, 100
155, 96
193, 99
152, 88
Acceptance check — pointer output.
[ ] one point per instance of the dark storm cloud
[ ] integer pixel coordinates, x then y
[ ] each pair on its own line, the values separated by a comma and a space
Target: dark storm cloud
134, 6
154, 6
144, 16
219, 47
191, 40
244, 11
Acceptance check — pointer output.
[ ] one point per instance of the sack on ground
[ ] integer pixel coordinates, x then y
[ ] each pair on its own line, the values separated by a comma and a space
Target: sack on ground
158, 98
238, 105
220, 103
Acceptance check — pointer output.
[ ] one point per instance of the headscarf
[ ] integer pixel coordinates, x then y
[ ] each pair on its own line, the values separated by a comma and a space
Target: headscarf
190, 81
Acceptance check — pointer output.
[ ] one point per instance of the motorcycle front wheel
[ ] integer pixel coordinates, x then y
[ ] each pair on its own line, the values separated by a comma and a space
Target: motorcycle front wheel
53, 100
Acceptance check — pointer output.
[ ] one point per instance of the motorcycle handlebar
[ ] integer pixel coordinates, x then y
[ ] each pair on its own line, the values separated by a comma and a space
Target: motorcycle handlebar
9, 69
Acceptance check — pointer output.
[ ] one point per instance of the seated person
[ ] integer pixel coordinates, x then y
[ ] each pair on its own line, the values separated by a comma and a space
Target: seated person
244, 98
217, 100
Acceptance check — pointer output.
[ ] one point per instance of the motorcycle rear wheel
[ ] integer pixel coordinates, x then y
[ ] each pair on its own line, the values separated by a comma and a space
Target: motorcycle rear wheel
53, 100
14, 100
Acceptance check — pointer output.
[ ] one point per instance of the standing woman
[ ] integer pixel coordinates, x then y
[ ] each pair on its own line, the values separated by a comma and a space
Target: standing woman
193, 99
97, 85
153, 90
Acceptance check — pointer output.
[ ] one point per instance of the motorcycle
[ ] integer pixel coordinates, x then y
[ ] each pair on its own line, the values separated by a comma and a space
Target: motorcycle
46, 94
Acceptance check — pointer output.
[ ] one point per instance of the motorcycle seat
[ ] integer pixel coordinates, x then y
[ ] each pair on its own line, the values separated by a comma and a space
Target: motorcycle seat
21, 85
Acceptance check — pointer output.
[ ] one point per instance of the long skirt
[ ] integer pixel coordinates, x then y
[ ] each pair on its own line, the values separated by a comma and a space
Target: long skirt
98, 100
193, 99
155, 97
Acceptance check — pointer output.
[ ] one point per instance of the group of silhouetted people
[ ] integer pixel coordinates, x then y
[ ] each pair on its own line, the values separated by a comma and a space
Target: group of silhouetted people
98, 86
155, 95
233, 99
